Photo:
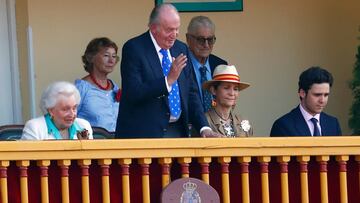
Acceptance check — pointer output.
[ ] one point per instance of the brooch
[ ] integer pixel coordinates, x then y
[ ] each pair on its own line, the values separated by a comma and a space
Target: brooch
82, 135
245, 125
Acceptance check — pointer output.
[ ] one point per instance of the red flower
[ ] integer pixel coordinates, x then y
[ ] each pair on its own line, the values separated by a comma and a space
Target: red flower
118, 95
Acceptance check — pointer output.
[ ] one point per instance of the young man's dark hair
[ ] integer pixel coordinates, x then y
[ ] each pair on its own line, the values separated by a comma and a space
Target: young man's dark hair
314, 75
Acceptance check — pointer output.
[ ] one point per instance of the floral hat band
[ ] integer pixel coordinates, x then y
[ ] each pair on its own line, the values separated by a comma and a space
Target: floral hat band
225, 73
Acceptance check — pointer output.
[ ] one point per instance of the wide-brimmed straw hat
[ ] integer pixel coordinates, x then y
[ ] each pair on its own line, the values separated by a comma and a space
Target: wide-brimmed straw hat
225, 73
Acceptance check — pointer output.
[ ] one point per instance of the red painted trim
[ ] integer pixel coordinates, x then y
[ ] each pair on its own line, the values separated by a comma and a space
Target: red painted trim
64, 171
23, 171
342, 166
204, 168
224, 168
185, 168
105, 170
165, 169
303, 167
244, 167
284, 167
323, 166
44, 171
125, 169
84, 170
3, 172
144, 169
264, 167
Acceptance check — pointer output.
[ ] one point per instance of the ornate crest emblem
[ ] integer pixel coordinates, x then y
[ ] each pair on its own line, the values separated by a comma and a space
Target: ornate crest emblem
190, 195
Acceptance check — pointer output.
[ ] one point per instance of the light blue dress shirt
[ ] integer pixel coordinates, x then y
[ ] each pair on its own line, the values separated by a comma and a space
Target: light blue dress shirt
97, 106
196, 66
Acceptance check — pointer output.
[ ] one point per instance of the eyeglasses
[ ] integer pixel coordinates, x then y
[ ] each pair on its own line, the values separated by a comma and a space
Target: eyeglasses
202, 40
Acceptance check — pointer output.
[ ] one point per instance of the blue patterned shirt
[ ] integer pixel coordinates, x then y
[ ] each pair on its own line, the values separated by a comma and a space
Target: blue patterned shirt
97, 106
196, 66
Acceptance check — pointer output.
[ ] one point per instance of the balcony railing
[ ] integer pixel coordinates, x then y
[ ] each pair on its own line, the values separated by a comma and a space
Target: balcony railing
310, 169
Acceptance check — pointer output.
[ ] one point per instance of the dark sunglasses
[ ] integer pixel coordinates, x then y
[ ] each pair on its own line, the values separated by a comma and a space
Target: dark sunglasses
202, 40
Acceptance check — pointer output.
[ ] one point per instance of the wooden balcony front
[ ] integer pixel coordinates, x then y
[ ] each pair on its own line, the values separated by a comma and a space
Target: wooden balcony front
296, 170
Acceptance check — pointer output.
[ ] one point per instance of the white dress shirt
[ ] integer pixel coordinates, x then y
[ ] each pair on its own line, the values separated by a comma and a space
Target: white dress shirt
308, 118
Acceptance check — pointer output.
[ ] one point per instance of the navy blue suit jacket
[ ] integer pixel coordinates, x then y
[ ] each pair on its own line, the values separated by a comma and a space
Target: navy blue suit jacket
215, 61
144, 110
294, 124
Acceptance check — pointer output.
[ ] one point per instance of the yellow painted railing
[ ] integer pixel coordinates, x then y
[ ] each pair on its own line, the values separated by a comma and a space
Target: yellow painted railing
241, 169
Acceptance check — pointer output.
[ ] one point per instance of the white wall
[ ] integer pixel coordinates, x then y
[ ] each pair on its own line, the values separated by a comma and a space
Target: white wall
6, 115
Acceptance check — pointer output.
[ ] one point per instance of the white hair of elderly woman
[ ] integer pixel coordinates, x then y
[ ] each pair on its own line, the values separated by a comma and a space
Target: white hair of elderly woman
52, 93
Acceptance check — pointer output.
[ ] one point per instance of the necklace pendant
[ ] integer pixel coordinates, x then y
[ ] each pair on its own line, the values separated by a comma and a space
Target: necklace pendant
228, 128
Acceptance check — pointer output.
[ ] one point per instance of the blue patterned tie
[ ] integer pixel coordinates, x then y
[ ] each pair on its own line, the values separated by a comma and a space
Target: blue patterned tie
316, 129
205, 94
174, 96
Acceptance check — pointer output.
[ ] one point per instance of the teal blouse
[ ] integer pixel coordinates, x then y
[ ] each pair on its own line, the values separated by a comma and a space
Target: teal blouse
52, 129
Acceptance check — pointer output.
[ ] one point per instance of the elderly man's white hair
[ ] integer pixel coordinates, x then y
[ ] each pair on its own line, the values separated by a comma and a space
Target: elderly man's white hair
155, 13
54, 91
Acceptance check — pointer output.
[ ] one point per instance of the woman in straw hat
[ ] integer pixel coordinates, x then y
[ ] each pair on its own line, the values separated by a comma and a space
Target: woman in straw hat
225, 87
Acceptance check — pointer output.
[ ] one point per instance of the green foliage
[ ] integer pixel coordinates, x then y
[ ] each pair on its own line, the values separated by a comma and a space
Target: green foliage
354, 121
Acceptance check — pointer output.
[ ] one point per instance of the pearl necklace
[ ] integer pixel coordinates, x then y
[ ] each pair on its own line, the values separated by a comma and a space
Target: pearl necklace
97, 84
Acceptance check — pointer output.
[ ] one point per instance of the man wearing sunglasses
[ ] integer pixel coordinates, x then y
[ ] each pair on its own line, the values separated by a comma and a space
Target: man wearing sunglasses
201, 38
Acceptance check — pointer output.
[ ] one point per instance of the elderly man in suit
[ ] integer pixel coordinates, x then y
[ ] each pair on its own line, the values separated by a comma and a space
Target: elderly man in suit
200, 38
160, 96
307, 119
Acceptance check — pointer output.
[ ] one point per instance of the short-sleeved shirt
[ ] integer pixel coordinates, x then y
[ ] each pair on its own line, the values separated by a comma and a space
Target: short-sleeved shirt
98, 106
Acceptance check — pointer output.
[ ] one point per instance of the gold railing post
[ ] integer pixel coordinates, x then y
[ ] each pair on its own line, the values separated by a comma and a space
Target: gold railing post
124, 163
64, 166
84, 165
244, 163
165, 171
184, 162
342, 175
225, 178
105, 165
3, 181
204, 163
23, 166
145, 162
44, 164
303, 161
322, 160
264, 164
283, 161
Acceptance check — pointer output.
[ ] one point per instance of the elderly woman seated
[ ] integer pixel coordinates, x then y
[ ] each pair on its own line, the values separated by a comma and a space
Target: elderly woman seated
225, 87
59, 104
